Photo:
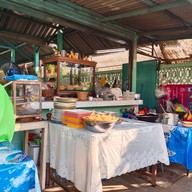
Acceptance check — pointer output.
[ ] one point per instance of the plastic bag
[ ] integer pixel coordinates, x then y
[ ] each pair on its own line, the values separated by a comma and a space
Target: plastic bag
7, 119
159, 93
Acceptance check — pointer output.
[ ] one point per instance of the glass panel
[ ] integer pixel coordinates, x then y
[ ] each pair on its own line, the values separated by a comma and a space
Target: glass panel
27, 100
51, 72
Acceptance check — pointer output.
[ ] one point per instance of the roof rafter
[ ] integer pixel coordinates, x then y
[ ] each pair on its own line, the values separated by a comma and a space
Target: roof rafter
168, 13
172, 29
51, 18
52, 11
17, 48
23, 38
149, 2
24, 18
190, 1
71, 44
146, 11
175, 37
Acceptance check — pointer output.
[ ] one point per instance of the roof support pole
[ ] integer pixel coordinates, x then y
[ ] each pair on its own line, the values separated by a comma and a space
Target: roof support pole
133, 65
60, 40
13, 55
36, 59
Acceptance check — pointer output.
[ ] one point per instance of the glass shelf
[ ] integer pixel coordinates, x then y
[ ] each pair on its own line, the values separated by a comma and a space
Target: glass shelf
68, 71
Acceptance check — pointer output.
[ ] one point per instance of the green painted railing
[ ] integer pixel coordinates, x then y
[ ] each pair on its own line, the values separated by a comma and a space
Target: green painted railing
110, 76
175, 74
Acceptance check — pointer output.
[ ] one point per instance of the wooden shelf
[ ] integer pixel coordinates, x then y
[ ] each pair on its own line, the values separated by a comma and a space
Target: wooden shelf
56, 60
69, 60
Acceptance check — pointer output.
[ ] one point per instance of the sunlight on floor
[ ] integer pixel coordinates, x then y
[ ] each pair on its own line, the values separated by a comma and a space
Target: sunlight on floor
55, 189
114, 187
136, 185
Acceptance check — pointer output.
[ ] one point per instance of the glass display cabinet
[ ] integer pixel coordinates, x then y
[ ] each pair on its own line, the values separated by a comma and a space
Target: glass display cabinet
27, 99
71, 75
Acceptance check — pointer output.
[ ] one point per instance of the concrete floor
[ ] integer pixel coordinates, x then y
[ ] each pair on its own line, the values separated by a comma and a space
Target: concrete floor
173, 179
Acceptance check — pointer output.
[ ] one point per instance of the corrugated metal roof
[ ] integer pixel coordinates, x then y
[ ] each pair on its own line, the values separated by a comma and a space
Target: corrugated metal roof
11, 22
111, 7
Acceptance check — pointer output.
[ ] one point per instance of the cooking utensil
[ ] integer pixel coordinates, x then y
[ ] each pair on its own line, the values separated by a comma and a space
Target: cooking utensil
163, 108
170, 118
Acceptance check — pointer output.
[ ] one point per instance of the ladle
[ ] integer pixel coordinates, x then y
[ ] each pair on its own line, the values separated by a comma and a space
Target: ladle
163, 109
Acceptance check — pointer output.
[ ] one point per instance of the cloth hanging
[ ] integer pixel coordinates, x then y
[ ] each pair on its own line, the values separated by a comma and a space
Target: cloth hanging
7, 119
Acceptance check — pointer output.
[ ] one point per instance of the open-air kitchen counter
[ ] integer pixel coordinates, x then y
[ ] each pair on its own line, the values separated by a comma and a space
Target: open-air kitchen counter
91, 104
115, 106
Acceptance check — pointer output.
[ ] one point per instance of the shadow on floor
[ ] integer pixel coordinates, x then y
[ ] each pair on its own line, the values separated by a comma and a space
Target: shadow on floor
135, 182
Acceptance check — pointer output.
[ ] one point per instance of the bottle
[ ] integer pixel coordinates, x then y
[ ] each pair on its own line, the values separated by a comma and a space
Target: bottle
115, 84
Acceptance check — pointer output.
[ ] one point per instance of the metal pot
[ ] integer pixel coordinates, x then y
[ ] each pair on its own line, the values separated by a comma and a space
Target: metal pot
170, 118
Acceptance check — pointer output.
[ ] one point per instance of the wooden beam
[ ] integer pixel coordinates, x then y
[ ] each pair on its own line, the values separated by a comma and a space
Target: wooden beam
60, 40
4, 52
32, 58
146, 11
133, 64
152, 33
190, 1
168, 13
20, 45
72, 45
13, 55
149, 2
23, 38
24, 18
159, 31
174, 37
36, 59
16, 48
4, 47
9, 48
46, 17
53, 11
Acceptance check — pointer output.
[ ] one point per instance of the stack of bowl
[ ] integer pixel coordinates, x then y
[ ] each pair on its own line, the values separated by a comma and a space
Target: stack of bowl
61, 104
187, 124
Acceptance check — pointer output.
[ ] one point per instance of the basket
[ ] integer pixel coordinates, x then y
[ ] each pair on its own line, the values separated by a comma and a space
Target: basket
82, 96
48, 93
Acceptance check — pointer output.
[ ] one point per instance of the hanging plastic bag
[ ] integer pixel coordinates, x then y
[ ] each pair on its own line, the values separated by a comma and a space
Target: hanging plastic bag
7, 119
159, 93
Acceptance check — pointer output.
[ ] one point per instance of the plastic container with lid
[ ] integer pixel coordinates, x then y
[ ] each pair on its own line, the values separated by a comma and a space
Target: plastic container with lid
73, 118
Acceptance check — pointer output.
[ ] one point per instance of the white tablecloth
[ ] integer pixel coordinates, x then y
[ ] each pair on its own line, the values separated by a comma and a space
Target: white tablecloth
85, 157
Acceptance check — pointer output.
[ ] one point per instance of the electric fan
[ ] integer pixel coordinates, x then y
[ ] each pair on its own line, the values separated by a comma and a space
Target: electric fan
10, 68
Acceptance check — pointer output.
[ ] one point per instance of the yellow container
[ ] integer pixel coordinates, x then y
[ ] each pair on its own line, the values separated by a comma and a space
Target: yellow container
75, 125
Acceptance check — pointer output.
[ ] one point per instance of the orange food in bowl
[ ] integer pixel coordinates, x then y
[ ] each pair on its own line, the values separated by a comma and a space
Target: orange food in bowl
61, 87
70, 87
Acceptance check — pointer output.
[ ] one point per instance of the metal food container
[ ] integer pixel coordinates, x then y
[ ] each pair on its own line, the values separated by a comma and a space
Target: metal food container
98, 127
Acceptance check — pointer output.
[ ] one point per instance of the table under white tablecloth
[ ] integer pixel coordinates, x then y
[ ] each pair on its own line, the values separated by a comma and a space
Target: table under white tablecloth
85, 157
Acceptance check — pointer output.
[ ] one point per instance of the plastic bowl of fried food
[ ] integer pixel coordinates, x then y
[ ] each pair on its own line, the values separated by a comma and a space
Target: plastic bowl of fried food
99, 122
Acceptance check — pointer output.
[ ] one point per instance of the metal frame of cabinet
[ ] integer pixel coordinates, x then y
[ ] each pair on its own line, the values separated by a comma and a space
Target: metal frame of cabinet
15, 98
57, 60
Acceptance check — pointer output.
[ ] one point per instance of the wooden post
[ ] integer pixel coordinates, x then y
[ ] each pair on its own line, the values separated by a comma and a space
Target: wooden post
154, 174
13, 55
133, 65
60, 40
36, 59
